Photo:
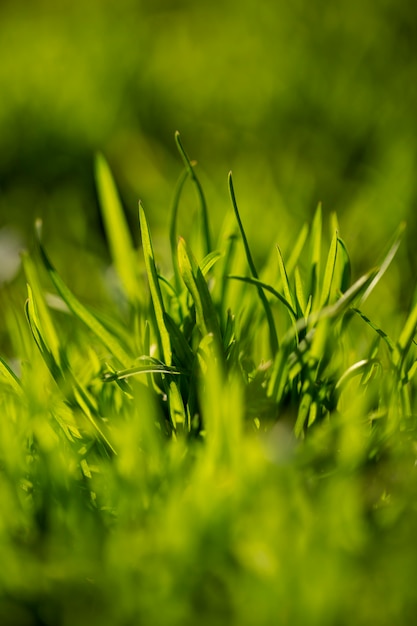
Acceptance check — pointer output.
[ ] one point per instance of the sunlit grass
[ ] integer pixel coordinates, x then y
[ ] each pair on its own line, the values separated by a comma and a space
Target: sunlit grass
220, 447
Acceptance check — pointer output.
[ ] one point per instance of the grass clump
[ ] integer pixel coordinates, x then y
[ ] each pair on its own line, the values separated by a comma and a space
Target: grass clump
226, 444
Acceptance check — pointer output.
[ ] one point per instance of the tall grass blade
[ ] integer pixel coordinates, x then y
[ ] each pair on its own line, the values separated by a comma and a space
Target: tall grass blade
83, 314
386, 262
329, 272
316, 235
156, 295
10, 377
173, 233
273, 337
266, 287
193, 278
200, 194
284, 279
117, 231
36, 293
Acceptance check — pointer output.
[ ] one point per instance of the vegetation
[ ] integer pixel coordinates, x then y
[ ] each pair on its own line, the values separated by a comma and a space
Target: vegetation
225, 443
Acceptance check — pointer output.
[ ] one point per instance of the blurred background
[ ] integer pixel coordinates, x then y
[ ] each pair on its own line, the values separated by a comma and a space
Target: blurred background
304, 101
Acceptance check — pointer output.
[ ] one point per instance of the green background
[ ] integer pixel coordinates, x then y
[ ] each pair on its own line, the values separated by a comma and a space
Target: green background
304, 101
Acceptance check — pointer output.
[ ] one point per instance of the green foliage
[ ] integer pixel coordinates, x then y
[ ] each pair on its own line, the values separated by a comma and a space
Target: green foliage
223, 447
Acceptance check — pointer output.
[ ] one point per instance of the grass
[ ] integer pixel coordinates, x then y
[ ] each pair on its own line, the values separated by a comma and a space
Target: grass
226, 444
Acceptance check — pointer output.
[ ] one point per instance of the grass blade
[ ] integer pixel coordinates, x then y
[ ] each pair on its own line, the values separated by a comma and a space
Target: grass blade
10, 377
82, 313
316, 233
117, 231
203, 205
273, 337
284, 279
173, 234
386, 262
193, 278
262, 285
156, 295
329, 272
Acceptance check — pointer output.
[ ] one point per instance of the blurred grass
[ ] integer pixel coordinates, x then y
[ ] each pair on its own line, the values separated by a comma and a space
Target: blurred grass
304, 101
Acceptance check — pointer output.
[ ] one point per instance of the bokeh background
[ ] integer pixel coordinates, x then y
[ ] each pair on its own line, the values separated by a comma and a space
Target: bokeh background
305, 101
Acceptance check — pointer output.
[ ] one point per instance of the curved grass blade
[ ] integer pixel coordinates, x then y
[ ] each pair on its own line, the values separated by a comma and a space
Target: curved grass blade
297, 249
386, 262
73, 391
273, 337
200, 194
41, 315
262, 285
10, 377
316, 234
117, 231
180, 347
408, 332
152, 368
173, 235
299, 293
329, 272
82, 313
284, 279
335, 310
155, 289
176, 405
193, 278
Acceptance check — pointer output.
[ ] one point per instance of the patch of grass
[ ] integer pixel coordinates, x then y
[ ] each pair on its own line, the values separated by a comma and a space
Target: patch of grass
218, 447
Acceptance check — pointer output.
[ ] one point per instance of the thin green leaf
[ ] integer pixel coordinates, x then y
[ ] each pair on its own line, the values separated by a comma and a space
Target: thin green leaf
117, 231
173, 234
10, 377
297, 249
82, 313
284, 279
299, 292
200, 194
386, 262
316, 234
273, 337
407, 334
42, 315
140, 369
193, 278
156, 295
274, 292
329, 272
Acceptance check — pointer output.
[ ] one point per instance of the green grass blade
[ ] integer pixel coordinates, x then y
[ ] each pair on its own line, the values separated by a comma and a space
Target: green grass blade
156, 295
173, 233
42, 312
329, 272
386, 262
10, 377
117, 231
266, 287
297, 249
346, 270
273, 337
83, 314
180, 347
408, 332
299, 293
193, 278
316, 234
152, 368
200, 194
209, 261
284, 279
